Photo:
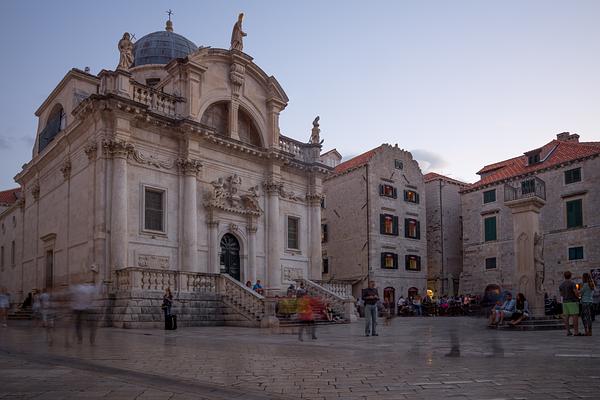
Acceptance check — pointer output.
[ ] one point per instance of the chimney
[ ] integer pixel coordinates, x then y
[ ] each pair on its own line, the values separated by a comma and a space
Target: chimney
568, 137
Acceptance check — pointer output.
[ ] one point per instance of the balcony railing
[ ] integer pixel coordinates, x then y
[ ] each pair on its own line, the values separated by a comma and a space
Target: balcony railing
529, 187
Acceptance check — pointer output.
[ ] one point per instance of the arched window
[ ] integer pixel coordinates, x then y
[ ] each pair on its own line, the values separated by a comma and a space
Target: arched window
217, 117
247, 129
56, 123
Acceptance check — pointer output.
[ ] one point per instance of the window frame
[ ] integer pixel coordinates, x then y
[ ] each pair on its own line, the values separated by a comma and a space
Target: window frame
408, 258
325, 265
575, 248
398, 164
485, 238
407, 222
486, 199
395, 228
287, 233
571, 171
383, 191
581, 216
416, 199
324, 233
485, 263
164, 194
384, 256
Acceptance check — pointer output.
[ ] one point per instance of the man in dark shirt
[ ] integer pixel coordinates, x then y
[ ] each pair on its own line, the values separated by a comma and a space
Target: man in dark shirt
370, 297
570, 295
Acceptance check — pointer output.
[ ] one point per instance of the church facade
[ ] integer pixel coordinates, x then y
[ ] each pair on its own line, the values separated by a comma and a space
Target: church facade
174, 161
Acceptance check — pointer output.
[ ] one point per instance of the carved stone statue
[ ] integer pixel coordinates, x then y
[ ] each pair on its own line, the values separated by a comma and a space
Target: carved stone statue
238, 34
315, 134
218, 190
126, 52
234, 183
538, 259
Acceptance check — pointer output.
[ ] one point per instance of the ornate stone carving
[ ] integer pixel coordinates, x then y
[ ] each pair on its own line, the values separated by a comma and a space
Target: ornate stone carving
233, 227
90, 150
290, 274
153, 262
237, 35
315, 133
66, 169
35, 191
540, 265
314, 198
117, 148
225, 196
126, 52
151, 160
272, 186
189, 166
236, 76
290, 195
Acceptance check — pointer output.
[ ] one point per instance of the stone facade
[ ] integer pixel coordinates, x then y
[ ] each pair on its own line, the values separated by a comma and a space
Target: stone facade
152, 166
444, 233
561, 244
366, 196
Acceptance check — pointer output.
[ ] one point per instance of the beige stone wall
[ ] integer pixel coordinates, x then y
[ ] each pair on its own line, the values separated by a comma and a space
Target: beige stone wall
450, 250
557, 238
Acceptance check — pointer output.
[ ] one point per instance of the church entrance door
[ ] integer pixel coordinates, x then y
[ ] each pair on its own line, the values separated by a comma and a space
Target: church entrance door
230, 256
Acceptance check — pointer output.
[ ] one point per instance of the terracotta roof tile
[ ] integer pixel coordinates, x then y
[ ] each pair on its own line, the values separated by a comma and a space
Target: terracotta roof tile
355, 162
9, 197
552, 154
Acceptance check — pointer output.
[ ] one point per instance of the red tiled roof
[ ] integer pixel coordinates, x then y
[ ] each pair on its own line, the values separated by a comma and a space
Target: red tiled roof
9, 197
551, 155
431, 176
355, 162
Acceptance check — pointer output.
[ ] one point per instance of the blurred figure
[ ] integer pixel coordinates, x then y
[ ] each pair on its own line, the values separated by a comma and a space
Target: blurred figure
167, 303
570, 295
291, 291
521, 310
587, 302
82, 302
306, 306
4, 306
370, 297
36, 308
301, 291
417, 305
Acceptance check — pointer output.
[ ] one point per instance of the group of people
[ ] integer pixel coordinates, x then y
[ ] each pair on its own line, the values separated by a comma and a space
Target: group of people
257, 287
513, 310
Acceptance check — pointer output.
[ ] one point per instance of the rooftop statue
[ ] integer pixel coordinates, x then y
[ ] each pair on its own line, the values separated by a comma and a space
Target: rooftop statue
238, 34
126, 50
315, 137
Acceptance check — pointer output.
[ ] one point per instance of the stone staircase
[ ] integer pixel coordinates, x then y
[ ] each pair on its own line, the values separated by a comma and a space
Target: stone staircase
23, 314
536, 324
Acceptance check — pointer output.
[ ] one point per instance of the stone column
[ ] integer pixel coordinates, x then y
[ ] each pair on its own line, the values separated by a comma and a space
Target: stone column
233, 120
526, 225
272, 188
189, 169
213, 246
315, 249
119, 150
251, 250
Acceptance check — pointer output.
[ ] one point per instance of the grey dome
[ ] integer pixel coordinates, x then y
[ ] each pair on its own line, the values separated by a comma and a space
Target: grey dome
160, 48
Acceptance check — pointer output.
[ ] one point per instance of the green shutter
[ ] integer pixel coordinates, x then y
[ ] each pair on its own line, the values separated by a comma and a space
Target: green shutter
574, 214
418, 230
382, 223
395, 226
490, 229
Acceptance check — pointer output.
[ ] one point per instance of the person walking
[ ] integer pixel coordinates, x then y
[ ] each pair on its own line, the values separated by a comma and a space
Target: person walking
306, 314
370, 297
570, 295
4, 306
587, 303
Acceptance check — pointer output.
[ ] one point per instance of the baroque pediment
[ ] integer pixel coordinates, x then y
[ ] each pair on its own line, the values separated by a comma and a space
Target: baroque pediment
227, 196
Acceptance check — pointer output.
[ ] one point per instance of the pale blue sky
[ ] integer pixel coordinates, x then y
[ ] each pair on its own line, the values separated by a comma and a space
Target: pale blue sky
460, 83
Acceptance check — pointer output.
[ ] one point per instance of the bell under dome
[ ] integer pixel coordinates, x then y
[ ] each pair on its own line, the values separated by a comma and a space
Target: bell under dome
161, 47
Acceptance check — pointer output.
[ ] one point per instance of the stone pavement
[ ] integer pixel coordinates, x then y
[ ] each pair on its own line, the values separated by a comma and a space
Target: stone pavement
414, 358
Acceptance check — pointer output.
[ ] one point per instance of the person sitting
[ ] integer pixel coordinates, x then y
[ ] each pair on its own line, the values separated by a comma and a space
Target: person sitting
521, 310
505, 311
258, 287
329, 312
249, 284
291, 291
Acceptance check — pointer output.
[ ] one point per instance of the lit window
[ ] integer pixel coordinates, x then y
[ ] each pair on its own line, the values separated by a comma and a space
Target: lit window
411, 196
412, 228
387, 191
389, 260
154, 210
412, 262
388, 224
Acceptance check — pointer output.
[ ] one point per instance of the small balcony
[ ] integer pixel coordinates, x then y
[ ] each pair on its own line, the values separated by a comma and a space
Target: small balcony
530, 187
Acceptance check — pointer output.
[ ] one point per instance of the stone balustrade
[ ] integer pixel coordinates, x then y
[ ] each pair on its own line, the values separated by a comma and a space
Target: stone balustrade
340, 305
155, 100
301, 151
341, 288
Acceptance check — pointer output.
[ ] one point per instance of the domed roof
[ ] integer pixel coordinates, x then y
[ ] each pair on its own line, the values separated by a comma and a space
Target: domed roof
160, 48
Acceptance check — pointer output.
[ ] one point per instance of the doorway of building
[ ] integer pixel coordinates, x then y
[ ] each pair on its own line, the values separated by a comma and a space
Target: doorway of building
49, 269
230, 256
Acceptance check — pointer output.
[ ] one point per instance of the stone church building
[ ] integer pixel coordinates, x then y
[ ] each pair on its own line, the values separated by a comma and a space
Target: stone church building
172, 162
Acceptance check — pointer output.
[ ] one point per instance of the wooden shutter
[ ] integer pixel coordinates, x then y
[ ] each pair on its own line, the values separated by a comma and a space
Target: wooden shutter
381, 190
382, 223
395, 193
395, 226
382, 260
417, 198
418, 230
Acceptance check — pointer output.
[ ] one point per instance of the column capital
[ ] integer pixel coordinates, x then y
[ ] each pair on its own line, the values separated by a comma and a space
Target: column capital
272, 186
117, 148
189, 167
314, 198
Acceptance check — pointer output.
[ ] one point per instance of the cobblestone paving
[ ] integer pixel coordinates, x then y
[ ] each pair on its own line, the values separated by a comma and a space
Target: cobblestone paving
414, 358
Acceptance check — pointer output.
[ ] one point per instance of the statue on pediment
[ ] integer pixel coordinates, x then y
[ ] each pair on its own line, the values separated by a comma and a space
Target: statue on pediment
126, 52
315, 136
237, 35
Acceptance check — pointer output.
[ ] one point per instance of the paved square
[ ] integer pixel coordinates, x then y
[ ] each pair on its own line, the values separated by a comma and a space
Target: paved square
414, 358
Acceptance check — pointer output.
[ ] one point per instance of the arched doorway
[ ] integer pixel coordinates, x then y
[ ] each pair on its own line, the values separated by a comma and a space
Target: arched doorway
230, 256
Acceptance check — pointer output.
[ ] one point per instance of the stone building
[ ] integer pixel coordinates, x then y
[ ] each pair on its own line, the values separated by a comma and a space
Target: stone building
374, 210
444, 233
171, 164
564, 175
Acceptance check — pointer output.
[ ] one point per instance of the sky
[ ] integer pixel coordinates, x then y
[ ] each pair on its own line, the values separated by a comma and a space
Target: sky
460, 84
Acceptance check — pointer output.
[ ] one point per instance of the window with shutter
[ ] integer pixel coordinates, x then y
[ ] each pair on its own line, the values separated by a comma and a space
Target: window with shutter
411, 228
489, 196
388, 224
412, 262
575, 253
490, 229
154, 209
490, 263
572, 176
389, 260
411, 196
574, 214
